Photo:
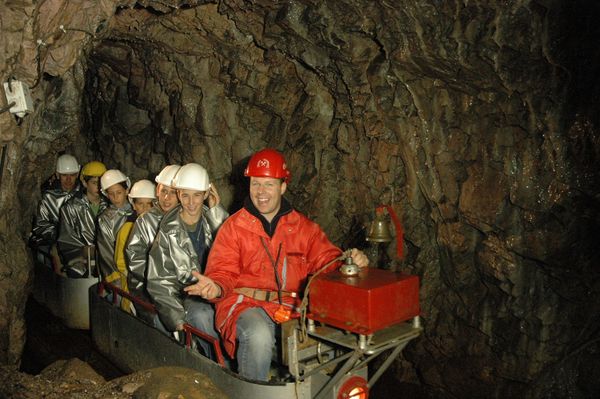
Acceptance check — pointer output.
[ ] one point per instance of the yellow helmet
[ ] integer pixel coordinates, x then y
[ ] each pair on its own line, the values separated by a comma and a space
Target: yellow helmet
94, 168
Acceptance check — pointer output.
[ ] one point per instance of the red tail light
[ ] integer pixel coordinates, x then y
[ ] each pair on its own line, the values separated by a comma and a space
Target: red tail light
354, 388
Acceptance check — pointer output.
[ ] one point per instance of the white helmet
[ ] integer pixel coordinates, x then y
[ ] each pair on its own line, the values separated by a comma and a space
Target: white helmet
67, 164
167, 174
142, 189
191, 177
112, 177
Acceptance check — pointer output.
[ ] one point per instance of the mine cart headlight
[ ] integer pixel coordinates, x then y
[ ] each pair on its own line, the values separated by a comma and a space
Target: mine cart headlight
354, 388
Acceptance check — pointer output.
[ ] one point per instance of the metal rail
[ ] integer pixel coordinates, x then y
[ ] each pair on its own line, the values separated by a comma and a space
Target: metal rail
188, 329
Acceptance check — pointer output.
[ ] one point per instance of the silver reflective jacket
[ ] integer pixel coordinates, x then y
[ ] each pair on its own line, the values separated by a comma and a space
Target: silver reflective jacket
173, 258
77, 226
136, 251
45, 229
109, 223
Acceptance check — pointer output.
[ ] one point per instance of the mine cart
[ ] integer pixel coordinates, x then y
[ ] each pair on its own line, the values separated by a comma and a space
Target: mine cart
66, 298
349, 322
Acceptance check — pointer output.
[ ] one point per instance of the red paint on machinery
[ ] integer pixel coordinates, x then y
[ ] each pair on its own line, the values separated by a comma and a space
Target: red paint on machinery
365, 303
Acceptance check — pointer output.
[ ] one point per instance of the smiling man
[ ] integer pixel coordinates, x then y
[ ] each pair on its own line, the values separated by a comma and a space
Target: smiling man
259, 263
180, 249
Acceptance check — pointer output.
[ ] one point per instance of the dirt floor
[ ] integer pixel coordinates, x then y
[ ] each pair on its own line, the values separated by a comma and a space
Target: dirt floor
59, 362
77, 380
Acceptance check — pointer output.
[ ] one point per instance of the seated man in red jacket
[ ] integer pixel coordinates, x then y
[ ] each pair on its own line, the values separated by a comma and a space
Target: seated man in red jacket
259, 262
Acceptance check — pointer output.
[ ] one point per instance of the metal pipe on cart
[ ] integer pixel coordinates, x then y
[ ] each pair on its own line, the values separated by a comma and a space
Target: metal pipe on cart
338, 376
374, 354
362, 341
392, 344
328, 364
97, 267
384, 366
417, 322
89, 262
311, 325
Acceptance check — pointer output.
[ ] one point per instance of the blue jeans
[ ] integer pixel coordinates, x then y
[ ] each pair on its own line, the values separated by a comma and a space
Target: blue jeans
156, 323
256, 339
151, 318
201, 315
108, 296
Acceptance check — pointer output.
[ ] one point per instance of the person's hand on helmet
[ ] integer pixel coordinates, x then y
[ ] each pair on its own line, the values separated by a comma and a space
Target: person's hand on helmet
213, 196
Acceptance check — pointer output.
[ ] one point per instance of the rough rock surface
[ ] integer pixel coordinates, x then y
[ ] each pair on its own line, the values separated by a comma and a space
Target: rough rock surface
475, 120
75, 379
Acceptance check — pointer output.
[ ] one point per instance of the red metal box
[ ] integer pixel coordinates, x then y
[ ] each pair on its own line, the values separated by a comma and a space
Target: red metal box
368, 302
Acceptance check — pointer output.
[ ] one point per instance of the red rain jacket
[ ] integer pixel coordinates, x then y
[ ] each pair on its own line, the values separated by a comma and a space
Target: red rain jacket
238, 259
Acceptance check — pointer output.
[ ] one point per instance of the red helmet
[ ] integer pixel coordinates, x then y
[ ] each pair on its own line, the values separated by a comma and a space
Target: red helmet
268, 163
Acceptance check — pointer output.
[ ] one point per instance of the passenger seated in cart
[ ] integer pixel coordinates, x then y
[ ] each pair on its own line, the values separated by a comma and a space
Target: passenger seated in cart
141, 238
77, 226
115, 186
184, 238
258, 263
142, 199
63, 186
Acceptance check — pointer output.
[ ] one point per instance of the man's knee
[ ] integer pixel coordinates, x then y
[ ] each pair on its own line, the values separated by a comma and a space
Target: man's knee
256, 329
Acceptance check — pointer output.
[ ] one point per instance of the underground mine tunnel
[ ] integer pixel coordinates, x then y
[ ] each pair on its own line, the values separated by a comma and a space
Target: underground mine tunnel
474, 122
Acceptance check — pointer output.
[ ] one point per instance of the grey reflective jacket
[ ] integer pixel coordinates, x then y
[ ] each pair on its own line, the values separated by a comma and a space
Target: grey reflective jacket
109, 223
136, 251
172, 260
77, 226
45, 229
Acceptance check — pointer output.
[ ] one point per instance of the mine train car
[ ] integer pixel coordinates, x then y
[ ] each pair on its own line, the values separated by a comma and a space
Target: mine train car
351, 320
66, 298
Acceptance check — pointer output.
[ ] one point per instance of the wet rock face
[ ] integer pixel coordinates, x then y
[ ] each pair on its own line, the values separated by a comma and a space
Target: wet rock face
476, 122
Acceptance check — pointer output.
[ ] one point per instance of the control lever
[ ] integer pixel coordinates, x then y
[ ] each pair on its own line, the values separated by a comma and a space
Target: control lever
349, 268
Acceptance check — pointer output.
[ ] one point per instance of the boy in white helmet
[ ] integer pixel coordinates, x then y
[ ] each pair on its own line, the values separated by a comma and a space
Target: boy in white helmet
181, 247
141, 197
142, 236
115, 186
45, 229
78, 216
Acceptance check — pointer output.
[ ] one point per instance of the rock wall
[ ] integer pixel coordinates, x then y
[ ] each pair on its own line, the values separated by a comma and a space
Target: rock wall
475, 121
41, 45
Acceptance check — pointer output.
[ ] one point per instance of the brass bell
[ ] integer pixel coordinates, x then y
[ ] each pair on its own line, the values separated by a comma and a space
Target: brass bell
379, 231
